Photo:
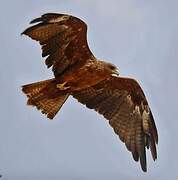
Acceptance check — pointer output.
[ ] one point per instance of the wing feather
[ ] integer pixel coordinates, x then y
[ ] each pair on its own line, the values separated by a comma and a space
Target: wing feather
63, 39
123, 103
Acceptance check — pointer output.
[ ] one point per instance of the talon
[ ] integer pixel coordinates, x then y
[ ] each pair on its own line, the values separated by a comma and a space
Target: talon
62, 86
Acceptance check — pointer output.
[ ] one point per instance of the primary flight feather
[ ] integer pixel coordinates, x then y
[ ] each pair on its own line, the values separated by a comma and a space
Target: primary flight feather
92, 82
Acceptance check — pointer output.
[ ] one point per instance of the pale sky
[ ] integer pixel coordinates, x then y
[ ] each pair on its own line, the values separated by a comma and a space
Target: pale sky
141, 38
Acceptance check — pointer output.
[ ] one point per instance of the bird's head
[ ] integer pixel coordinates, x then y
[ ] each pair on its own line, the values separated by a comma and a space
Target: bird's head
112, 69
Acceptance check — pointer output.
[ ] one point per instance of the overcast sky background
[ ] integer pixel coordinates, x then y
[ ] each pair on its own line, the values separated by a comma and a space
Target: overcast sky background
141, 38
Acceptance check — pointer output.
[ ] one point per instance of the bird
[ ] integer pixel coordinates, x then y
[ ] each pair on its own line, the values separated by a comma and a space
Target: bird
93, 82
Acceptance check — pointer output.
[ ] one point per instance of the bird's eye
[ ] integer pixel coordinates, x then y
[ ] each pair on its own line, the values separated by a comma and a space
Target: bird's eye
112, 67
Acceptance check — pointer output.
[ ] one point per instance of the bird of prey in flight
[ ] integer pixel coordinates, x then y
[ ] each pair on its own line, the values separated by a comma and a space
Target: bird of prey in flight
93, 82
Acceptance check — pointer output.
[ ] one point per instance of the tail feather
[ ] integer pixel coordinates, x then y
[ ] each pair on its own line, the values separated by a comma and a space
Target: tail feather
45, 96
34, 88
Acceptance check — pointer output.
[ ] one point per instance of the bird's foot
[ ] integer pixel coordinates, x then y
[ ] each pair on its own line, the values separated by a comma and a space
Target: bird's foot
62, 86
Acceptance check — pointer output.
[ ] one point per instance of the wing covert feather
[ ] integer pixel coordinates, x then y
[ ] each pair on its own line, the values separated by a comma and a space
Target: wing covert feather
63, 39
123, 103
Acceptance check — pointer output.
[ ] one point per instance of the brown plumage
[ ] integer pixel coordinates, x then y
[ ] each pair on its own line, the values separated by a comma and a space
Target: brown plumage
92, 82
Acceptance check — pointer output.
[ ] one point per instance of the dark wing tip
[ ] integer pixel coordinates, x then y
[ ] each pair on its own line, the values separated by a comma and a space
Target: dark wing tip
44, 17
144, 168
25, 32
47, 17
24, 89
154, 129
32, 28
28, 30
153, 148
135, 156
36, 20
143, 162
52, 15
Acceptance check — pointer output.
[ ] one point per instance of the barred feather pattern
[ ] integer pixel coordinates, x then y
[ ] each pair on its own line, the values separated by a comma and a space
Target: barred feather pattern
122, 102
63, 40
45, 97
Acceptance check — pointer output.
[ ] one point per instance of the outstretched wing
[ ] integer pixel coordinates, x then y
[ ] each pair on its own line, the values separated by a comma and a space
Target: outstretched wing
123, 103
63, 39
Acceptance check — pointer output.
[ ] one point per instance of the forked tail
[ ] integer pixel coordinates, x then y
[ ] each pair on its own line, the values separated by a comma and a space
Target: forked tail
45, 96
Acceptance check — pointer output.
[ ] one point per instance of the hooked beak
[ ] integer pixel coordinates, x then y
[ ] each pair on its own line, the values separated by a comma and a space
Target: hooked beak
115, 73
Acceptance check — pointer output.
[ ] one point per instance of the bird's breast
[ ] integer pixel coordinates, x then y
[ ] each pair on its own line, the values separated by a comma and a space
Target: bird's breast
84, 77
